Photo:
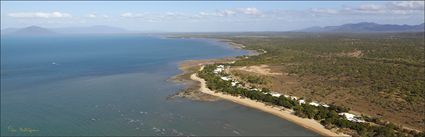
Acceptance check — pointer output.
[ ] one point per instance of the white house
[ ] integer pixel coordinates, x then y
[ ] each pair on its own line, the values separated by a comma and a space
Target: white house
275, 94
234, 83
314, 104
255, 89
301, 101
325, 105
351, 117
219, 69
294, 98
225, 78
286, 96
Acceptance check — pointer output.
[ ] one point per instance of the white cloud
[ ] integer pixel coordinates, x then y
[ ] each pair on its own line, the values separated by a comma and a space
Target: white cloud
158, 17
400, 7
226, 12
218, 13
371, 7
55, 14
92, 15
204, 14
407, 5
250, 11
368, 9
232, 12
127, 14
324, 10
171, 14
132, 15
390, 8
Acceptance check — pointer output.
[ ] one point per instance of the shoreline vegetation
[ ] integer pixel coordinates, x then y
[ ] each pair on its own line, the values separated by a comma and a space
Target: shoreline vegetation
197, 90
277, 111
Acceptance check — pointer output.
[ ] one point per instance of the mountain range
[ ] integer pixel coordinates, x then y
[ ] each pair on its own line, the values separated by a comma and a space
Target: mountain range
366, 27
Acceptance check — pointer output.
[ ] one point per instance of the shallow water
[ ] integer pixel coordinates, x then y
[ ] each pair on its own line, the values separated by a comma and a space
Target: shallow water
116, 85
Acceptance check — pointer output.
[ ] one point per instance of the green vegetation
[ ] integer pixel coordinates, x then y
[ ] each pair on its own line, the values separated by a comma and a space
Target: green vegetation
327, 116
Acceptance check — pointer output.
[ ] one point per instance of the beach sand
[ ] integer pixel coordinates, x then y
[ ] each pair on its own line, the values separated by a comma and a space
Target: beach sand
278, 111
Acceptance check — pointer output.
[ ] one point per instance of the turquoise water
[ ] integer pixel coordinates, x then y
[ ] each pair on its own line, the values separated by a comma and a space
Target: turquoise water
116, 85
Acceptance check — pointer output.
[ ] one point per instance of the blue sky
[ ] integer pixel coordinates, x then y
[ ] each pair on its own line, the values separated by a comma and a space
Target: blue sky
191, 16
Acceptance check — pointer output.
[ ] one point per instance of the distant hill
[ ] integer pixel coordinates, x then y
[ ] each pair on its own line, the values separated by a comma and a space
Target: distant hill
36, 30
367, 27
31, 30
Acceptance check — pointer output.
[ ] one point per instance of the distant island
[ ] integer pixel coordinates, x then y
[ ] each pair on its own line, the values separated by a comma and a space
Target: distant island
31, 30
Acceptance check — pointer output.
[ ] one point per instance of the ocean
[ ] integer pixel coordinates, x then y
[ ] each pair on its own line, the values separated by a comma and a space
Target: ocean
117, 85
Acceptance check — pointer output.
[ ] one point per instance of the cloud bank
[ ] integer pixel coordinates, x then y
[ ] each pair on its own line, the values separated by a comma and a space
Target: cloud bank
54, 14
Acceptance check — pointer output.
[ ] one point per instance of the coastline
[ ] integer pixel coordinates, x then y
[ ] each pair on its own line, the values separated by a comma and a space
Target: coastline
188, 67
197, 90
191, 90
286, 114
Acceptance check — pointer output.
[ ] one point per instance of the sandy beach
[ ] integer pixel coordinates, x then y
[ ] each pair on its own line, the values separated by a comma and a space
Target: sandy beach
278, 111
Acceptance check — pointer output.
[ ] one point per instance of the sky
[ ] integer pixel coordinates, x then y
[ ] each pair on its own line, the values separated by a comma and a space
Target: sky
218, 16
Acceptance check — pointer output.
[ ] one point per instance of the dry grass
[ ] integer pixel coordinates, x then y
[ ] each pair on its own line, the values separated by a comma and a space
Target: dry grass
409, 116
258, 69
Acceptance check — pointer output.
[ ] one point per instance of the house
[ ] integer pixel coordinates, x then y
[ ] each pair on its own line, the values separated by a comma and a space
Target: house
351, 117
314, 104
255, 89
348, 116
225, 78
234, 83
275, 94
293, 97
286, 96
219, 69
324, 105
301, 101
